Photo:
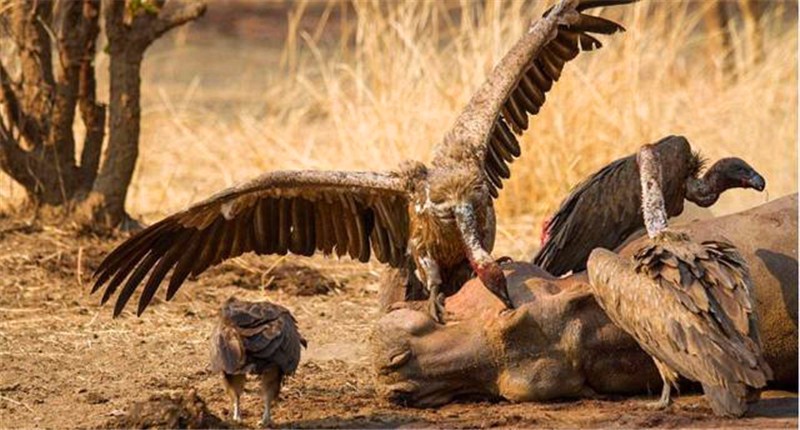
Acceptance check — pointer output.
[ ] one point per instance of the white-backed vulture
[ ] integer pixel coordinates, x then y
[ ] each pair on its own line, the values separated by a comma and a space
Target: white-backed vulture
441, 217
689, 305
605, 209
257, 338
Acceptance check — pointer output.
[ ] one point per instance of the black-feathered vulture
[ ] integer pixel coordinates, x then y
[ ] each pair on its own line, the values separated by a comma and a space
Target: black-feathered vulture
440, 217
689, 305
258, 338
605, 209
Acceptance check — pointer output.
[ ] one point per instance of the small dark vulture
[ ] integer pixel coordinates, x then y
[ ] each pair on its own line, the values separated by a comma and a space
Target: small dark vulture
689, 305
605, 209
257, 338
438, 218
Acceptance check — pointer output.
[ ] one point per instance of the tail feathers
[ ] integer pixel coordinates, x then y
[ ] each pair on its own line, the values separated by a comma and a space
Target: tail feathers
727, 402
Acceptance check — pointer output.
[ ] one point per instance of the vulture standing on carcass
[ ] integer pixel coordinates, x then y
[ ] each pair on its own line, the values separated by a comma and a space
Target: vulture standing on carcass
605, 209
439, 217
258, 338
689, 305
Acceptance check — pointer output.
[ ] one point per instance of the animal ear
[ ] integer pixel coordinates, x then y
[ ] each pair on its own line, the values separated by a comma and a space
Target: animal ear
519, 326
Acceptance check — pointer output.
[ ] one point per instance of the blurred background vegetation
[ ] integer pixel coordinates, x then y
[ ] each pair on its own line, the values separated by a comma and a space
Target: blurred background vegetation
255, 86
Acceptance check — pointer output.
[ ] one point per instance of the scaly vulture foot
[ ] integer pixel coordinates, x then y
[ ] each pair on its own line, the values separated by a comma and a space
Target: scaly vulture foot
436, 307
659, 405
665, 399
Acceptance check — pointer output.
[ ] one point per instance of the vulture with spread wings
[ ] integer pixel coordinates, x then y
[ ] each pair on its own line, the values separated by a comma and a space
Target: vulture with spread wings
440, 218
689, 305
605, 209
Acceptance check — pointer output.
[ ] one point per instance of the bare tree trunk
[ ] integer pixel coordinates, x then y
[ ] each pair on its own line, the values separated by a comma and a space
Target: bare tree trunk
111, 186
128, 38
93, 114
39, 106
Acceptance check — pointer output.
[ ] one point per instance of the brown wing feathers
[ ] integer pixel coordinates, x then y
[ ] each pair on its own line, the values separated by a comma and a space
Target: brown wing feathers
711, 281
529, 93
348, 218
253, 336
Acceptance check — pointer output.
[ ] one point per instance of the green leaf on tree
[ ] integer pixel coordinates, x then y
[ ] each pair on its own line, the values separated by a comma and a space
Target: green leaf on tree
135, 7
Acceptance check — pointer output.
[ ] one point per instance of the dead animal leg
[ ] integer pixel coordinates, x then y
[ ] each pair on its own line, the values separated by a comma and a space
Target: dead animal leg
270, 387
234, 385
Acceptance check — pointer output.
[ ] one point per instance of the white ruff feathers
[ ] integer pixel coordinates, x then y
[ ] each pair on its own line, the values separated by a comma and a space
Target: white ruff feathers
653, 209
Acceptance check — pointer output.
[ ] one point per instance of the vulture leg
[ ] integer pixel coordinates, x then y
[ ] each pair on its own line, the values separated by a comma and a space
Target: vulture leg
270, 385
668, 376
234, 385
433, 281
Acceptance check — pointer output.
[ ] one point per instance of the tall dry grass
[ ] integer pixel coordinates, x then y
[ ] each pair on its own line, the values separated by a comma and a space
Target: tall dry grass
392, 85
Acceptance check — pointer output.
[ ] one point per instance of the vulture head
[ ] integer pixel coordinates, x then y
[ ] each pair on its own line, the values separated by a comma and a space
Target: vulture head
457, 196
725, 174
736, 173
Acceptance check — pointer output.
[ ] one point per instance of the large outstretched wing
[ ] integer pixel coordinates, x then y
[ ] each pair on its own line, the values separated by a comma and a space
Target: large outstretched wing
682, 325
605, 209
517, 87
299, 212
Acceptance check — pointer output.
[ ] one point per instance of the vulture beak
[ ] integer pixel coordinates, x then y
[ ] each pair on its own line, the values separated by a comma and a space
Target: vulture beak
756, 181
481, 261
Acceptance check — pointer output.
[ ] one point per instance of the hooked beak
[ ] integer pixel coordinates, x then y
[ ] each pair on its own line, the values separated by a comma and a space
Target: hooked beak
756, 182
487, 269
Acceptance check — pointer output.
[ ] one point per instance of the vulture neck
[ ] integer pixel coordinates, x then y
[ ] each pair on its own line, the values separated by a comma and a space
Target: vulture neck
704, 191
468, 228
653, 208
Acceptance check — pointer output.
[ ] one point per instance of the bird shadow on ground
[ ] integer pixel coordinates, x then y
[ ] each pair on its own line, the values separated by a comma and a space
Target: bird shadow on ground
778, 407
372, 421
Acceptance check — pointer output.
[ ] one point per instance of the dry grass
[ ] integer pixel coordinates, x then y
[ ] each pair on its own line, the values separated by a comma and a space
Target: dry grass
228, 110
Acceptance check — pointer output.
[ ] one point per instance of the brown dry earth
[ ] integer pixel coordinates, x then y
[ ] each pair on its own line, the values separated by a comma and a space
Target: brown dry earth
65, 363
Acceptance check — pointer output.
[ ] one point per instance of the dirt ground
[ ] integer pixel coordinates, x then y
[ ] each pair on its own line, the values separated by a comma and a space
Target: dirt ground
65, 363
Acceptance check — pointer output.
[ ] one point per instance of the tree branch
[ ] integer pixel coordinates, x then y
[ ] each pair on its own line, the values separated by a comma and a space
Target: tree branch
147, 27
9, 96
66, 87
177, 17
13, 159
28, 23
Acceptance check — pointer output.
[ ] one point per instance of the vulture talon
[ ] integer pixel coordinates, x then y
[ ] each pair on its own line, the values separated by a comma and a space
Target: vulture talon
436, 307
665, 400
659, 405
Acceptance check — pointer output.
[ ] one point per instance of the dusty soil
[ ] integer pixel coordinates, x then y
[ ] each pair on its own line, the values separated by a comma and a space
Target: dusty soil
64, 362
